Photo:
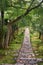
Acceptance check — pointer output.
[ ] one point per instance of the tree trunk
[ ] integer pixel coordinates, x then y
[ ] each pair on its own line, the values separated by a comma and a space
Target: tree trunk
1, 32
41, 37
8, 36
2, 20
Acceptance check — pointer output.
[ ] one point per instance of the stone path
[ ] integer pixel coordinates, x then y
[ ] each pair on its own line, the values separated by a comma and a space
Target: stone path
26, 55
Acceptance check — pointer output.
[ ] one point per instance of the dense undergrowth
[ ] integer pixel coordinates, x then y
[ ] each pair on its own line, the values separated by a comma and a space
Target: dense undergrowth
9, 55
37, 46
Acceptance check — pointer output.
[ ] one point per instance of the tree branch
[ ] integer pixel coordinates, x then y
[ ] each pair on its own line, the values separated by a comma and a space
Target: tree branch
31, 4
27, 12
20, 6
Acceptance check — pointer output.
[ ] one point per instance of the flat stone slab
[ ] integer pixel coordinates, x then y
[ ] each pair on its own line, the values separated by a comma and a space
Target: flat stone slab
19, 64
6, 64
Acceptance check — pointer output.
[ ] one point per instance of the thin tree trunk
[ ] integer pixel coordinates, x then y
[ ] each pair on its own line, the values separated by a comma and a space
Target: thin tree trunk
1, 34
39, 35
42, 37
2, 20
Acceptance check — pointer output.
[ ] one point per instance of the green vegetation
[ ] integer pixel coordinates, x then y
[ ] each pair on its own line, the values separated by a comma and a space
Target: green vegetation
9, 55
37, 45
15, 15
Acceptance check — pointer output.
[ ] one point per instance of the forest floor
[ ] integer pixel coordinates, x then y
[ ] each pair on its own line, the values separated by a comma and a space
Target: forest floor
9, 55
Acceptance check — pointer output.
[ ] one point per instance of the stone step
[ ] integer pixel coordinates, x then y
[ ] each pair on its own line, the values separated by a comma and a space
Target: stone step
19, 64
6, 64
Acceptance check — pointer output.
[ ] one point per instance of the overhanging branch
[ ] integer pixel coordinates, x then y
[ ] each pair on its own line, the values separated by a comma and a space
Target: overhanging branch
31, 4
27, 11
20, 6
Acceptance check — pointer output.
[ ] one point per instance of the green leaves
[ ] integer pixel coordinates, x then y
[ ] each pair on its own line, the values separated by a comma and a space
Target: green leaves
4, 4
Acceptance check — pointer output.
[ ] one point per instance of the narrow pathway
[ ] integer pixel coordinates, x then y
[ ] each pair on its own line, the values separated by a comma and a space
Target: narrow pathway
26, 55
